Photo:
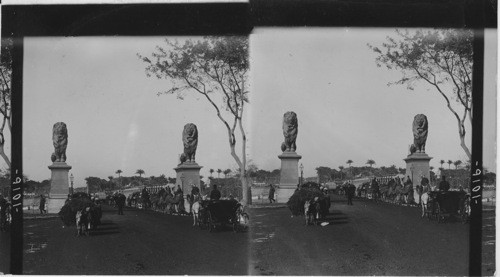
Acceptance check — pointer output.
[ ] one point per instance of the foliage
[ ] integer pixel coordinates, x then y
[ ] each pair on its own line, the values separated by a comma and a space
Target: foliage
370, 162
217, 69
140, 172
441, 58
265, 176
97, 184
227, 187
36, 187
326, 174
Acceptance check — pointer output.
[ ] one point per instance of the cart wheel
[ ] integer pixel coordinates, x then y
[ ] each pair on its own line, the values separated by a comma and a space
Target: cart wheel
211, 223
438, 213
246, 219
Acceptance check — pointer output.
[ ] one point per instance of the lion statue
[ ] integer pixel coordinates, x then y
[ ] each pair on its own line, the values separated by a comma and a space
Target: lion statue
60, 141
190, 140
290, 129
420, 130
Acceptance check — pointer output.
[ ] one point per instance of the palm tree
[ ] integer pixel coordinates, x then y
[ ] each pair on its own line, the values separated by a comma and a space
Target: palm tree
119, 171
370, 162
219, 171
457, 163
140, 172
349, 162
449, 162
211, 171
341, 168
226, 172
441, 162
110, 178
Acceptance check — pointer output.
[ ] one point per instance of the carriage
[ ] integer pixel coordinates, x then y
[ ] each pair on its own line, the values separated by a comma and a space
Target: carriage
443, 205
219, 213
311, 201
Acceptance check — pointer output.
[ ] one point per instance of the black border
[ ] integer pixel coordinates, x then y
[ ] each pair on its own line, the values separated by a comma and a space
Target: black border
19, 21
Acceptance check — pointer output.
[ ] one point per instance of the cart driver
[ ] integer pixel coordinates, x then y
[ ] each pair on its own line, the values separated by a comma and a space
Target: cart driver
215, 194
444, 186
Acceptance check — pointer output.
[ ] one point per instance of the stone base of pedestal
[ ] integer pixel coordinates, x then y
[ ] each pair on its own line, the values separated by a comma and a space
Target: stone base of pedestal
289, 176
283, 194
417, 165
188, 174
59, 186
55, 203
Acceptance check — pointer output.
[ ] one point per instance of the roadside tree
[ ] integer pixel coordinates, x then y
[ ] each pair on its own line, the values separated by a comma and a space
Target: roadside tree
441, 58
5, 95
217, 69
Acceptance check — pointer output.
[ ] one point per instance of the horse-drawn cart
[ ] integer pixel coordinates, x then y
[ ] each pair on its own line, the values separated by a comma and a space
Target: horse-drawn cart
219, 213
443, 205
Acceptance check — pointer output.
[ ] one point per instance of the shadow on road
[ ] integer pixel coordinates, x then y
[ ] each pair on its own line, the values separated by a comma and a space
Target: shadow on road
102, 233
336, 218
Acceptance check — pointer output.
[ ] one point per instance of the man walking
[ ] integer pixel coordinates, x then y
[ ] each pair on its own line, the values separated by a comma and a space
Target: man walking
120, 202
271, 193
42, 204
351, 190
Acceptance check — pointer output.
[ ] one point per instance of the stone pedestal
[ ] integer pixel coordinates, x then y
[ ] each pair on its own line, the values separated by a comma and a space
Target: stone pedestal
188, 174
417, 164
59, 186
289, 178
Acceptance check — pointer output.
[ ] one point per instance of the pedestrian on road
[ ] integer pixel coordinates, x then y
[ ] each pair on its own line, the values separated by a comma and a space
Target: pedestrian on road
271, 193
444, 186
42, 204
215, 193
120, 202
351, 190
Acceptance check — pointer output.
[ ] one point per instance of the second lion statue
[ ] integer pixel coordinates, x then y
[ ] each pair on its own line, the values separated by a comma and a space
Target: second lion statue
290, 129
60, 141
190, 141
420, 130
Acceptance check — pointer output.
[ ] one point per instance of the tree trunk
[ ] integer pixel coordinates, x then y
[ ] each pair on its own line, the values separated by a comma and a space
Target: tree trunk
246, 195
2, 153
464, 147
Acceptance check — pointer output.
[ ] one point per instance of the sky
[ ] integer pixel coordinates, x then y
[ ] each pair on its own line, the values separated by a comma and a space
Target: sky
328, 76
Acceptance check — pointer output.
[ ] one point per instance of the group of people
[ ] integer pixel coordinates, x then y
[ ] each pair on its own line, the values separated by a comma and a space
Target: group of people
402, 192
174, 197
